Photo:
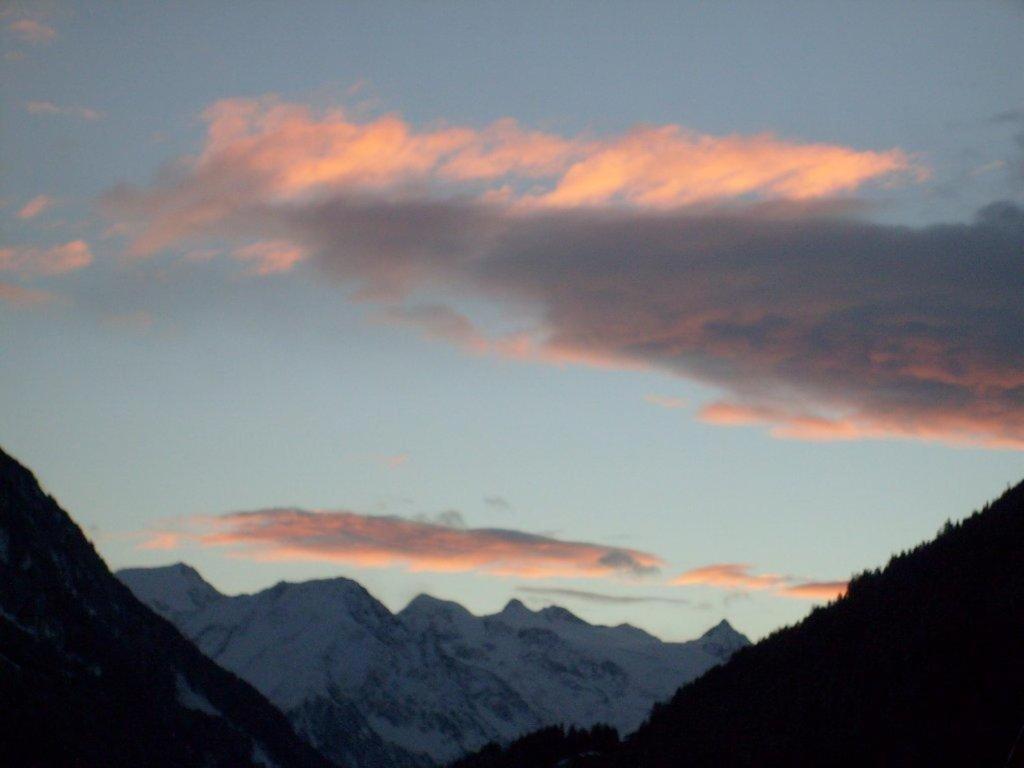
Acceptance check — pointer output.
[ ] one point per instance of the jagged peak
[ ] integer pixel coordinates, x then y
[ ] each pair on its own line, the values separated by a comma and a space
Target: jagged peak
180, 573
515, 607
170, 588
724, 632
558, 613
429, 604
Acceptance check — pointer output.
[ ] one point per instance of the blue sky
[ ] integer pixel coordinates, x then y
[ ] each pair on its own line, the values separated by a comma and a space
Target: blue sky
342, 367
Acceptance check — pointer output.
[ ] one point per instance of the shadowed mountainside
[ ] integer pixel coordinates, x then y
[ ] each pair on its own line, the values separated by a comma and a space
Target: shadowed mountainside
90, 677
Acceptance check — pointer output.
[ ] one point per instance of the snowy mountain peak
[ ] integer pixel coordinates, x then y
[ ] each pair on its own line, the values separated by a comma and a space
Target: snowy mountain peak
428, 606
170, 589
337, 588
721, 629
723, 640
382, 690
515, 609
556, 613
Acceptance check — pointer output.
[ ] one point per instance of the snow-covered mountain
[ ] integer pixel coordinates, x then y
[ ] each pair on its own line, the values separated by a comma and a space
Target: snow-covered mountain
372, 688
91, 677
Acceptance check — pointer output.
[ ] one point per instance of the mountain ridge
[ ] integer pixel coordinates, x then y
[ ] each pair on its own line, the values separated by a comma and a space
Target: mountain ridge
432, 680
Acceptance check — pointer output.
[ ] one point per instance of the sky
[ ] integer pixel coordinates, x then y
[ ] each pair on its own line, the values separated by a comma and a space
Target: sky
664, 312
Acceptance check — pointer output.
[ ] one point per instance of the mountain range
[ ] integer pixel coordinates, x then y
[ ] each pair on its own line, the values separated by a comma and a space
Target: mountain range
374, 689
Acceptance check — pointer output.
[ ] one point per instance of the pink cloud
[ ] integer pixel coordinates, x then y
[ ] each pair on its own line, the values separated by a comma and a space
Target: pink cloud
271, 257
729, 576
396, 460
267, 152
953, 428
667, 166
32, 31
18, 297
165, 540
416, 545
738, 576
58, 260
817, 590
35, 206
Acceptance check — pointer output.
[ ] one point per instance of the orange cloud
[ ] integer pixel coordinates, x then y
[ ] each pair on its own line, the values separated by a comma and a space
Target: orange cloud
270, 257
19, 297
35, 206
951, 427
32, 31
817, 590
57, 260
666, 167
666, 401
738, 576
267, 152
417, 545
162, 541
729, 576
396, 460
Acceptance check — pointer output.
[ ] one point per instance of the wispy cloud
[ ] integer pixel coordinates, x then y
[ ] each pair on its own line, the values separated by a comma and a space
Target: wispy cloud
19, 297
729, 576
32, 31
394, 460
816, 590
35, 206
499, 503
417, 545
606, 598
666, 401
49, 108
270, 257
160, 540
739, 577
58, 260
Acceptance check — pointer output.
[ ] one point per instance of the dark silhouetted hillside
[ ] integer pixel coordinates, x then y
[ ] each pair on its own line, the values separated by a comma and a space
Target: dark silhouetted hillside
545, 748
90, 677
921, 664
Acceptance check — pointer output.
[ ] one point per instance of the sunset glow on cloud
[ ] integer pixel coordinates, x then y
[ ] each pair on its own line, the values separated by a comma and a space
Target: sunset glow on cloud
777, 303
20, 297
738, 576
586, 293
267, 152
32, 31
57, 260
417, 545
35, 206
270, 257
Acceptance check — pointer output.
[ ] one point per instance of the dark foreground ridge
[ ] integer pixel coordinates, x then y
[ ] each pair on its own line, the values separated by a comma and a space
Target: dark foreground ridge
921, 664
90, 677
